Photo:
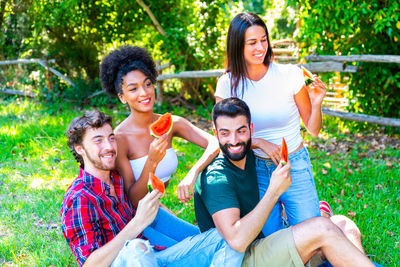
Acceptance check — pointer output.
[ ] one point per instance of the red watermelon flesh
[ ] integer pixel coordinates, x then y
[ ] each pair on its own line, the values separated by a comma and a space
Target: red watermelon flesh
162, 126
156, 183
284, 152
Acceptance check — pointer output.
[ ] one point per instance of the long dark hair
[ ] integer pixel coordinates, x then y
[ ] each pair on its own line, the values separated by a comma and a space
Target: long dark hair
235, 62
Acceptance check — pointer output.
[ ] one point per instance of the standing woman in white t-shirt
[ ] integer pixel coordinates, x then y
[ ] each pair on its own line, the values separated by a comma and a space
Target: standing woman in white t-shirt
277, 97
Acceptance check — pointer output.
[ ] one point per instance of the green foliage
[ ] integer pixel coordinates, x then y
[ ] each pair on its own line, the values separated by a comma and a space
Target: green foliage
352, 28
285, 24
15, 28
77, 34
74, 32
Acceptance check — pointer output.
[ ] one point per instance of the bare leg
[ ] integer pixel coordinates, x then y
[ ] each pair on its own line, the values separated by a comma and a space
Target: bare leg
350, 230
320, 233
348, 227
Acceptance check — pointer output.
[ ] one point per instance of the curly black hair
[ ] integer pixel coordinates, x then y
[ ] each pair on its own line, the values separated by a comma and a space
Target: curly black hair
121, 61
77, 129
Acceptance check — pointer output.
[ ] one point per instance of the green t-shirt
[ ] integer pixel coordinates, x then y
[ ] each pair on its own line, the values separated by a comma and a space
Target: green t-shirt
221, 186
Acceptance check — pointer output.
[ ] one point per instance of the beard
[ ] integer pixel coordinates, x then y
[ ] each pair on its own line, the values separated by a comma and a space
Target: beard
99, 164
236, 156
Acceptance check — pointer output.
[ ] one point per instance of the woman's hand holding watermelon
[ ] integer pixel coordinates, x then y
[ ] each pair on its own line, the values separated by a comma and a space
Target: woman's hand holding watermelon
186, 187
316, 91
158, 149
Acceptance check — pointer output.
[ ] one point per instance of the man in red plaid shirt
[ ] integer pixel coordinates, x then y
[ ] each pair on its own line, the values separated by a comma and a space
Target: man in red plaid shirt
98, 221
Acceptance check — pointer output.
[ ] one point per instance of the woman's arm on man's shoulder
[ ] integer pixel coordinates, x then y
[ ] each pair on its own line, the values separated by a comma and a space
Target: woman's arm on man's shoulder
195, 135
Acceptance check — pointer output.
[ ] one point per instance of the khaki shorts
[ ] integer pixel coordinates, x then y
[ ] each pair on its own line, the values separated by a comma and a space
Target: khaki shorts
277, 249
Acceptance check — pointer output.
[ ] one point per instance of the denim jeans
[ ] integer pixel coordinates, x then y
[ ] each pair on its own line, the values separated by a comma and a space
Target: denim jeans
135, 253
205, 249
167, 230
300, 200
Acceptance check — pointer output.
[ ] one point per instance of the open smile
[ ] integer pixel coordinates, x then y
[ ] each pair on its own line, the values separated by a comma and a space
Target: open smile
108, 155
259, 55
145, 101
235, 149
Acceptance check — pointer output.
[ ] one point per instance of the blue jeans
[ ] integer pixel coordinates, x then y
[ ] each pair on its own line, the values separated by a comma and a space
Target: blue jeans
204, 249
167, 230
300, 200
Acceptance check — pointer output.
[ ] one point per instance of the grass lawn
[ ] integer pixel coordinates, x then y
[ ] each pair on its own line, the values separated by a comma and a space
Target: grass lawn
357, 173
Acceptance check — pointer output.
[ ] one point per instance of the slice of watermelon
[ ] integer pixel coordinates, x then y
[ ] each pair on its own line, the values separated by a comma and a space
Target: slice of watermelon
284, 153
156, 183
162, 126
308, 76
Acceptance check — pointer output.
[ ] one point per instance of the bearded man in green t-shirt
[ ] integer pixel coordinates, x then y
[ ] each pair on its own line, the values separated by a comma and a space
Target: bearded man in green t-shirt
226, 197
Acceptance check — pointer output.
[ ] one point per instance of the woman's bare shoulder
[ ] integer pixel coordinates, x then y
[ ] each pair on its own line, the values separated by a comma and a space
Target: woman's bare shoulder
124, 128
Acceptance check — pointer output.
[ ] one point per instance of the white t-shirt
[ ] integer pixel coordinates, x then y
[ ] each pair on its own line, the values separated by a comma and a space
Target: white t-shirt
274, 112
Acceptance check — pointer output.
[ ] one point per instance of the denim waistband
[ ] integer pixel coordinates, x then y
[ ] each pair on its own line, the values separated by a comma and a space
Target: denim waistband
303, 152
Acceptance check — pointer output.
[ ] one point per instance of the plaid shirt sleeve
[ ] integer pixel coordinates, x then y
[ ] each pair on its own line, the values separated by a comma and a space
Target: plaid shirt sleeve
81, 229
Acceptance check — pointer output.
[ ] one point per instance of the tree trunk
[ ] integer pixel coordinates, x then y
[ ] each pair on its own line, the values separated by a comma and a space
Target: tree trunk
152, 17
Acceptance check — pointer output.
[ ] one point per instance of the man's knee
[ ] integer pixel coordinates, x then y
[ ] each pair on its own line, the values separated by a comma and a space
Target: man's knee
346, 225
323, 228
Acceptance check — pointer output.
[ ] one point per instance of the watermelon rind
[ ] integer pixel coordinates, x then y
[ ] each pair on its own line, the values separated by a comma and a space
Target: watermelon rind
308, 75
309, 81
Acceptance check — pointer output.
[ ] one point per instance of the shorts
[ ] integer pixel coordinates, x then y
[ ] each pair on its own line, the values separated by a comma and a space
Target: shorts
277, 249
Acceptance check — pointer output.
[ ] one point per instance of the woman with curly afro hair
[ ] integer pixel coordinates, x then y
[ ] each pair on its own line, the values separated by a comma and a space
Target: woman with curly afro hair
129, 72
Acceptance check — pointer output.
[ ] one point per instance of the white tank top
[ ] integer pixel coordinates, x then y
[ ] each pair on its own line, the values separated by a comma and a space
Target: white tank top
274, 112
165, 168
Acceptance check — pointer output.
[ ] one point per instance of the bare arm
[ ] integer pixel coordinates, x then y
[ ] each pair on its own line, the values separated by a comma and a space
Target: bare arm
272, 150
136, 190
240, 232
201, 138
146, 212
309, 100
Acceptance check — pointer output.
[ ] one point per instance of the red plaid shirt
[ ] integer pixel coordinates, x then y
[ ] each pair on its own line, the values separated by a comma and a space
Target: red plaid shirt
90, 216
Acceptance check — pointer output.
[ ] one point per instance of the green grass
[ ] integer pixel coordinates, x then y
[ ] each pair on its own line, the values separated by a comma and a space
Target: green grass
359, 177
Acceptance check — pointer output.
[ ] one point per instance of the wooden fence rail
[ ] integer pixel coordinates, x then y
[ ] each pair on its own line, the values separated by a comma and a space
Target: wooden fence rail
317, 67
362, 117
43, 63
22, 61
359, 58
16, 92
